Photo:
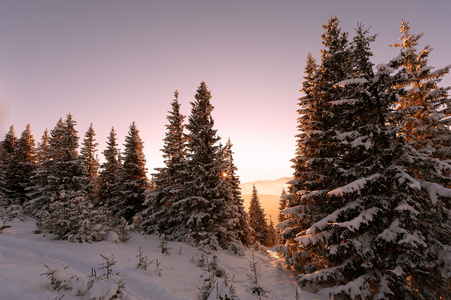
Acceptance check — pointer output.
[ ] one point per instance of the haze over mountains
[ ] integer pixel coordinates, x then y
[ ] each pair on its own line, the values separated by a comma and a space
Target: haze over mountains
269, 194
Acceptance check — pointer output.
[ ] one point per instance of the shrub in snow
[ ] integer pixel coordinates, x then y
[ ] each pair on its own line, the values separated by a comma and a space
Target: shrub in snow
60, 279
123, 230
98, 287
165, 249
236, 248
106, 286
13, 211
158, 268
255, 287
2, 226
211, 287
207, 286
143, 264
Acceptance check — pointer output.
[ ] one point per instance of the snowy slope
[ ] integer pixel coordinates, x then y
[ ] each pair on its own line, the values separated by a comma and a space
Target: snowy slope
23, 255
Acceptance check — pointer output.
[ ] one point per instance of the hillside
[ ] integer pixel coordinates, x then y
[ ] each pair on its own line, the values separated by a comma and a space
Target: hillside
25, 255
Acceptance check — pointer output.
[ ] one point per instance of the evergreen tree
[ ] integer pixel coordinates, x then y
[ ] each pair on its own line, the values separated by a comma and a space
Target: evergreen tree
133, 178
273, 236
381, 233
281, 217
257, 220
242, 228
42, 151
62, 175
168, 180
91, 162
282, 205
26, 163
317, 162
109, 178
425, 108
204, 214
9, 149
59, 196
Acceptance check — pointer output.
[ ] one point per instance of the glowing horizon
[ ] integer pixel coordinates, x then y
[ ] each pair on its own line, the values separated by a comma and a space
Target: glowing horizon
112, 63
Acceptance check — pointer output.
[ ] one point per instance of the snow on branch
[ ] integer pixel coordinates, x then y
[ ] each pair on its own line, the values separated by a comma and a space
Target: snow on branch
355, 289
384, 69
435, 190
364, 217
404, 206
441, 71
345, 101
395, 232
313, 238
326, 273
344, 83
403, 177
332, 217
354, 186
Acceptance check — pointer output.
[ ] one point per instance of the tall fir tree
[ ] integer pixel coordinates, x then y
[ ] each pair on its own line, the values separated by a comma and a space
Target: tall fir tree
133, 179
381, 233
204, 214
110, 170
61, 176
282, 205
159, 217
8, 152
257, 220
281, 217
425, 108
91, 162
242, 227
42, 150
59, 197
26, 163
316, 164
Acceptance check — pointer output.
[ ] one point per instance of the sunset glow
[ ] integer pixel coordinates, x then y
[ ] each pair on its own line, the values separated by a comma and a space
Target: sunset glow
114, 62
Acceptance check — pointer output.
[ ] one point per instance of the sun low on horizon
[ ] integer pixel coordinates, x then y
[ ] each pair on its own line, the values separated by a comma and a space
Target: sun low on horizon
111, 63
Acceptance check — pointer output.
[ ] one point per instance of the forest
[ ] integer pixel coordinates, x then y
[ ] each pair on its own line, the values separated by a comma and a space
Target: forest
366, 216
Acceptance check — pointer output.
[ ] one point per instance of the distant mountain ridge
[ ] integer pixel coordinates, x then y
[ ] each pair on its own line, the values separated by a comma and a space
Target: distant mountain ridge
268, 192
270, 187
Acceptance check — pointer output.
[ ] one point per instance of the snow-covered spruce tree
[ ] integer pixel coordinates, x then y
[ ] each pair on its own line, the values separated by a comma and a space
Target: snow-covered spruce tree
273, 235
133, 179
282, 205
62, 176
26, 163
42, 150
59, 194
379, 241
36, 193
3, 201
316, 164
159, 217
281, 217
257, 220
205, 216
242, 228
8, 152
91, 162
110, 170
425, 107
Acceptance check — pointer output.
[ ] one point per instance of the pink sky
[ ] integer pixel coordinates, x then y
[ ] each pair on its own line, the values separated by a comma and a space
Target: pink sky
114, 62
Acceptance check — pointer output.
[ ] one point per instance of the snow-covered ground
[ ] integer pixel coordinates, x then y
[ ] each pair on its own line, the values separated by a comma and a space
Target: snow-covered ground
25, 255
